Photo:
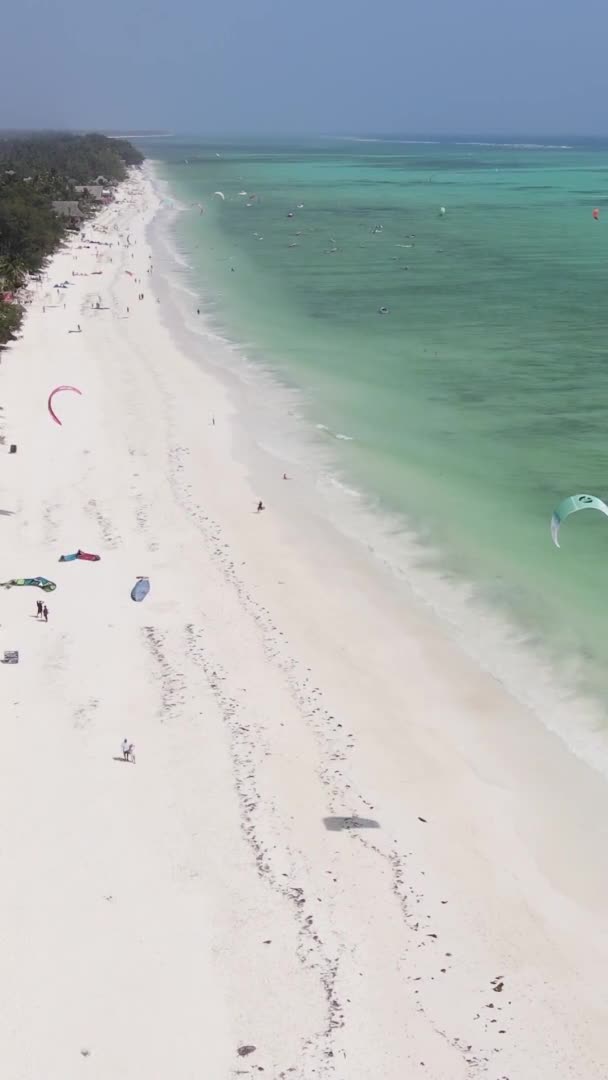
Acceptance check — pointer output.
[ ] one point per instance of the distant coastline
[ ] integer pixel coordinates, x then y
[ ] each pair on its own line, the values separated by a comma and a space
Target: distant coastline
139, 135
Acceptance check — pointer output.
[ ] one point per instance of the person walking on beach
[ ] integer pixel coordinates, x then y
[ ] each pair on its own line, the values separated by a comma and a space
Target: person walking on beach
260, 507
128, 751
45, 612
38, 609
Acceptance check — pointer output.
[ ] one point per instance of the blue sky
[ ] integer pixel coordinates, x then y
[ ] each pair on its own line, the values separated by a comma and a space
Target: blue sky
324, 66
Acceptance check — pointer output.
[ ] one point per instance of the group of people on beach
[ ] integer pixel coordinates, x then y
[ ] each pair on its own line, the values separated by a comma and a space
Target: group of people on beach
42, 611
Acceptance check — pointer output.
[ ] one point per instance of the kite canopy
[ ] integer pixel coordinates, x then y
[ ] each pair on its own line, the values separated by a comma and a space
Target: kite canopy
141, 589
39, 582
79, 555
52, 395
570, 506
220, 193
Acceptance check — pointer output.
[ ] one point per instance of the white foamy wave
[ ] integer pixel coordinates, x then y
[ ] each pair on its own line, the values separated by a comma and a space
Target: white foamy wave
398, 142
507, 145
345, 489
515, 145
181, 259
334, 434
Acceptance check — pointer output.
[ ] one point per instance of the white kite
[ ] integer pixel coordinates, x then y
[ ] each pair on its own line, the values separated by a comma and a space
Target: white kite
570, 506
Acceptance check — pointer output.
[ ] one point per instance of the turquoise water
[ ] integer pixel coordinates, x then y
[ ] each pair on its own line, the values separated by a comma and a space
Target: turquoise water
479, 400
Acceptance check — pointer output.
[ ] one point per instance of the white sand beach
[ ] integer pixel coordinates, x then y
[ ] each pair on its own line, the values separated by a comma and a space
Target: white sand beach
342, 843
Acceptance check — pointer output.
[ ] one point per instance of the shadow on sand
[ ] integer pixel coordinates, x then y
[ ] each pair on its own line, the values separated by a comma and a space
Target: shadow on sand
339, 824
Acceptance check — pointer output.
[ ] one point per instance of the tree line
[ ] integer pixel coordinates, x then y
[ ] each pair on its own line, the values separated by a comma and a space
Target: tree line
35, 171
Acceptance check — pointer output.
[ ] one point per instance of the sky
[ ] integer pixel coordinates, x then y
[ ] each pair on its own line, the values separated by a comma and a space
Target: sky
319, 67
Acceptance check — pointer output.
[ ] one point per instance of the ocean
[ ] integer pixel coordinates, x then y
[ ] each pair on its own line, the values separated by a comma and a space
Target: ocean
452, 366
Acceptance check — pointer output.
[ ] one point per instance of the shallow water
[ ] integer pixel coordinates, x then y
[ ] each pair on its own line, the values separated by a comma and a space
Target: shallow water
478, 401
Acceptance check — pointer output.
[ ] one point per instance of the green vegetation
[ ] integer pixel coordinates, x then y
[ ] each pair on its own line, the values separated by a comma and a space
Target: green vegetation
36, 172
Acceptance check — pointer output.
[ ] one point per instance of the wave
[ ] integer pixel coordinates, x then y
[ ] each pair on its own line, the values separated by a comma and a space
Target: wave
517, 145
334, 434
504, 144
346, 489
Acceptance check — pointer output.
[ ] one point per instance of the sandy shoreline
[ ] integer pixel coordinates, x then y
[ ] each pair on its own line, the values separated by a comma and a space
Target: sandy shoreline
158, 916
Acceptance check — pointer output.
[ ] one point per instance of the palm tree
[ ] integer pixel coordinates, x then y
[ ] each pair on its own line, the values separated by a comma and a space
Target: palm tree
13, 272
10, 317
